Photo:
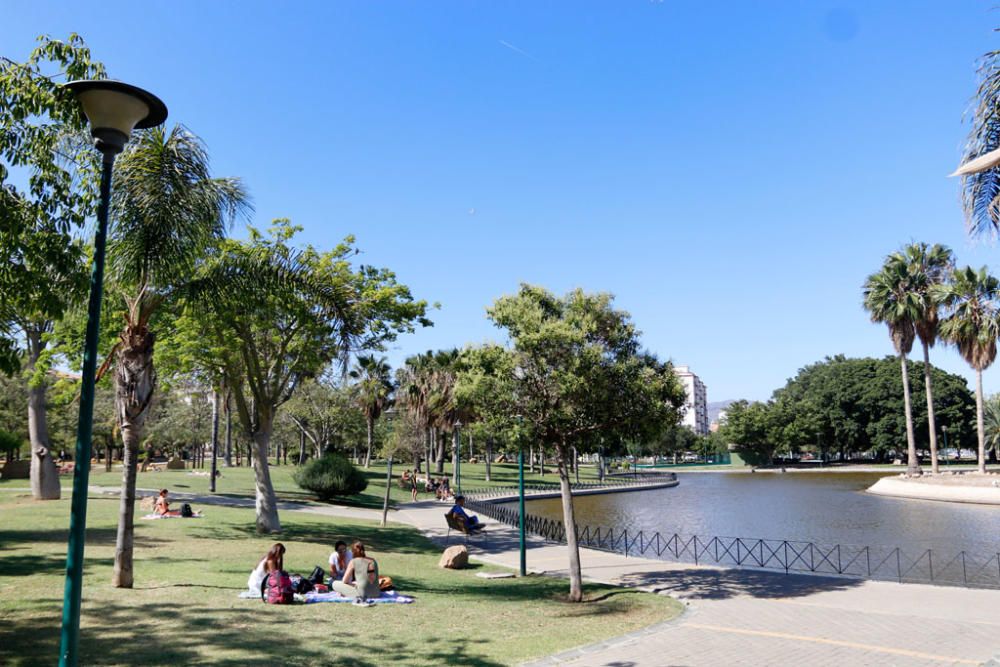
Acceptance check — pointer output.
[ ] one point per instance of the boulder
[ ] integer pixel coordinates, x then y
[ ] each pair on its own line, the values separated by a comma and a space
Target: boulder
175, 463
16, 470
454, 558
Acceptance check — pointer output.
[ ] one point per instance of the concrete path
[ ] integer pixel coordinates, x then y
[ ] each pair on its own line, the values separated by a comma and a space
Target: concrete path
745, 617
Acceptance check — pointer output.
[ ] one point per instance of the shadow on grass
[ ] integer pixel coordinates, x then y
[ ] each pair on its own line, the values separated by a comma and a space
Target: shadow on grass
172, 634
95, 537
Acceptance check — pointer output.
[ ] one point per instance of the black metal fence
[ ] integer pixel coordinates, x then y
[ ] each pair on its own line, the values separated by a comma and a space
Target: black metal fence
929, 566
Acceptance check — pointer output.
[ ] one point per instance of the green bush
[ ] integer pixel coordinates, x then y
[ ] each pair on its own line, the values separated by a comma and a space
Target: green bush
330, 476
9, 443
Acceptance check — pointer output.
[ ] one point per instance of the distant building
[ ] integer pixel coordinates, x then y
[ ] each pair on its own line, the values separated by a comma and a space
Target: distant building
696, 412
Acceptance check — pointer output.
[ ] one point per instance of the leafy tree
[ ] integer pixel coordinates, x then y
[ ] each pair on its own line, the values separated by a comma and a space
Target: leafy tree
751, 428
373, 388
575, 373
315, 310
991, 423
890, 299
324, 413
42, 137
971, 324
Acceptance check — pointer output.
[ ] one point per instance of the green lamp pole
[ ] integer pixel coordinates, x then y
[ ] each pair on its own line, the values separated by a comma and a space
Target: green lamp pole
520, 497
113, 109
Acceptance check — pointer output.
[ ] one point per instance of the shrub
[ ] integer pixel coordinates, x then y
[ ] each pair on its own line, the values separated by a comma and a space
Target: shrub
329, 476
9, 443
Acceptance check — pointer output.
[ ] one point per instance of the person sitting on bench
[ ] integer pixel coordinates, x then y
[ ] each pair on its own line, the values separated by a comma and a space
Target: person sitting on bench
471, 522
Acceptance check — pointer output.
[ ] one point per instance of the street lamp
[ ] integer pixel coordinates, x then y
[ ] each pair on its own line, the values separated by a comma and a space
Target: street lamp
457, 443
113, 110
520, 495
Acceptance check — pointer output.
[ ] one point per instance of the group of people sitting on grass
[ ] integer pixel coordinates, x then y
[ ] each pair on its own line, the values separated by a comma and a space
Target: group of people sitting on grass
440, 487
352, 573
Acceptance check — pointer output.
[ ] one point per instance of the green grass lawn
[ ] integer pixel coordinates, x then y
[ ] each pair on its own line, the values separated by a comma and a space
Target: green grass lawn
240, 481
184, 609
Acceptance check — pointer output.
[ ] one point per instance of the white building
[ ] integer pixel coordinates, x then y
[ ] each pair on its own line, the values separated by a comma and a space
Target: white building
696, 405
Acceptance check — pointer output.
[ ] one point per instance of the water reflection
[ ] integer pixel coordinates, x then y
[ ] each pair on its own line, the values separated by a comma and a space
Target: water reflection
816, 507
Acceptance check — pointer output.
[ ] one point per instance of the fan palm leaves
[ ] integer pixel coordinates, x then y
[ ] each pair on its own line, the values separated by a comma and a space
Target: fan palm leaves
927, 266
972, 305
373, 387
890, 299
981, 189
167, 211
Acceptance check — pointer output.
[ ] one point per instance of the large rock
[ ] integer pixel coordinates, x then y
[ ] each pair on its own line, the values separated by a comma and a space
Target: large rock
16, 470
175, 463
454, 558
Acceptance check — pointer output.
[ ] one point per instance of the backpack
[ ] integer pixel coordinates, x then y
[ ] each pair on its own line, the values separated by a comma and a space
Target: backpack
276, 588
300, 584
317, 575
186, 511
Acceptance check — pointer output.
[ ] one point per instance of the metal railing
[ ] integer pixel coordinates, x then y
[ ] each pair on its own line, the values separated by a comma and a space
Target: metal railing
928, 566
610, 482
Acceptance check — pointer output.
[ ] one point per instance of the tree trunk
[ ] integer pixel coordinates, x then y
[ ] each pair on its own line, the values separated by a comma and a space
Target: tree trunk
109, 452
266, 500
215, 439
569, 523
388, 486
370, 423
456, 452
302, 447
541, 460
439, 464
472, 452
489, 456
43, 472
229, 433
912, 465
980, 426
531, 459
135, 382
931, 422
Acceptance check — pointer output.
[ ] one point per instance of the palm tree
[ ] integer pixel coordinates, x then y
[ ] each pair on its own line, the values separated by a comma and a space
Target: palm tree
414, 383
970, 299
927, 266
991, 419
374, 387
889, 298
980, 174
168, 212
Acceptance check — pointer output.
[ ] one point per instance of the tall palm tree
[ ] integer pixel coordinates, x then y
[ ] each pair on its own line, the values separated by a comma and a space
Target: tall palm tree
981, 175
971, 302
890, 300
168, 211
927, 266
374, 387
414, 391
991, 419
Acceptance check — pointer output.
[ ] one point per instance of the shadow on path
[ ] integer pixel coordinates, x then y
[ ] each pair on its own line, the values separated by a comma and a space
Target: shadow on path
711, 584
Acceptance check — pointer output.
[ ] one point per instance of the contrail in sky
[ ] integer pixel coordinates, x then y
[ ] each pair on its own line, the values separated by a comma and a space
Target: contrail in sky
517, 50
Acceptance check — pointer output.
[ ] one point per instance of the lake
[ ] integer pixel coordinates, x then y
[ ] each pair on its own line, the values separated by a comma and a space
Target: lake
830, 508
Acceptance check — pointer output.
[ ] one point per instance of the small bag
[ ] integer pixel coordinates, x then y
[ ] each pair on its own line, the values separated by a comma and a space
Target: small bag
186, 511
277, 588
321, 588
316, 576
385, 584
300, 584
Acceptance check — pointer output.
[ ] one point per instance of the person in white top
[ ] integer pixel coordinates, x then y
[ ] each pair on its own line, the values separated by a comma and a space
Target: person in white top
272, 560
339, 559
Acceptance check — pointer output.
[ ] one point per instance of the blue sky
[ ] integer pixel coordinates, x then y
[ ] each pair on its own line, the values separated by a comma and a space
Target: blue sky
731, 171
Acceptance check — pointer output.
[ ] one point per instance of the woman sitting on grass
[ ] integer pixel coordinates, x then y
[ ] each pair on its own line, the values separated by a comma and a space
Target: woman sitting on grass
339, 560
360, 581
162, 506
273, 560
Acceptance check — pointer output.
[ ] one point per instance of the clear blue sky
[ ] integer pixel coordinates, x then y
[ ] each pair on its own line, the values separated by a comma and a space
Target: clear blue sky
731, 170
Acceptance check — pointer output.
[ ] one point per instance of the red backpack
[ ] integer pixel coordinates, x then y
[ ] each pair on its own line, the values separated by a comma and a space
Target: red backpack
276, 588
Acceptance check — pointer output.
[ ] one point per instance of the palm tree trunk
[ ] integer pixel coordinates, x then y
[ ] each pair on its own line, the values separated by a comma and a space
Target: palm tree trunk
371, 429
931, 422
980, 426
456, 451
489, 456
135, 382
569, 523
388, 487
229, 433
912, 465
266, 501
44, 474
439, 464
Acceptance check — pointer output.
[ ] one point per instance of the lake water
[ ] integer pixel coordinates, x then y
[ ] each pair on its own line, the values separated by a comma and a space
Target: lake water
830, 508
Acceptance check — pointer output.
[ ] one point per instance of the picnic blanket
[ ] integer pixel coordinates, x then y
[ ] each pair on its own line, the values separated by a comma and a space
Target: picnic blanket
333, 596
150, 517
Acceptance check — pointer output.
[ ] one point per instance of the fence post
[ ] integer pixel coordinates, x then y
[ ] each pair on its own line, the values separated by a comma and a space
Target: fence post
840, 569
965, 578
812, 560
785, 544
695, 549
626, 543
899, 568
930, 565
868, 560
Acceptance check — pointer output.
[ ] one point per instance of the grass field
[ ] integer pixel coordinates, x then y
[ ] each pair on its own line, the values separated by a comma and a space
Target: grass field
184, 609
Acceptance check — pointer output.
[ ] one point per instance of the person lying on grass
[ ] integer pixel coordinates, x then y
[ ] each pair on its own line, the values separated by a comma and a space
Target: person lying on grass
360, 581
471, 522
339, 560
273, 560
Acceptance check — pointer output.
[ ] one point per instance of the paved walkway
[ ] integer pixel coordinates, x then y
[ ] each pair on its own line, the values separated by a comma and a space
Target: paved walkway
745, 617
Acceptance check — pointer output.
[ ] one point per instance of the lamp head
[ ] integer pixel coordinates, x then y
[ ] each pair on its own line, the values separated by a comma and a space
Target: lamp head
114, 109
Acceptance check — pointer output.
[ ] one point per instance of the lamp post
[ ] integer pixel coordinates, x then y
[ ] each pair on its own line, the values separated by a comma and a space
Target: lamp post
457, 442
113, 110
944, 433
520, 496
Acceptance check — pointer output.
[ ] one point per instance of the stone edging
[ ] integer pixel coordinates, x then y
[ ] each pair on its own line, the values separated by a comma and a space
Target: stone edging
542, 495
901, 488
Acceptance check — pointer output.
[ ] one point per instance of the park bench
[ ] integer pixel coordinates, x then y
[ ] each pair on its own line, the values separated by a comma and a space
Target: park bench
458, 524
